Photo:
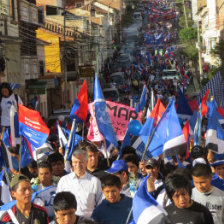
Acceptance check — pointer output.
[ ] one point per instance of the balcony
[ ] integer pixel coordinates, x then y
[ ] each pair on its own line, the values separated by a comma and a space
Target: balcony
28, 12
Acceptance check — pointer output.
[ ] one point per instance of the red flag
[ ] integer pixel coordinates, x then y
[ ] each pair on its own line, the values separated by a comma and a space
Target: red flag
186, 136
220, 111
204, 109
157, 112
80, 107
193, 105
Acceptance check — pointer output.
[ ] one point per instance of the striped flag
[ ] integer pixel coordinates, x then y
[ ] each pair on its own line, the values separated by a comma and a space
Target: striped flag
216, 85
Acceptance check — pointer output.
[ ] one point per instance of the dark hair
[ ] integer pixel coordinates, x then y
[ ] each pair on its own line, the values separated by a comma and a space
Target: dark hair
201, 170
183, 172
5, 85
44, 165
87, 146
32, 164
14, 149
133, 159
110, 180
55, 157
177, 182
128, 150
64, 201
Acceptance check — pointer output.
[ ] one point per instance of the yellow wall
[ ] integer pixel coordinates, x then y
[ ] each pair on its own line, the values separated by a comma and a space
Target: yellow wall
52, 51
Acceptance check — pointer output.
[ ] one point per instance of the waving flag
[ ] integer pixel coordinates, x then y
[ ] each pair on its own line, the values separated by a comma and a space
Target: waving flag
80, 107
32, 127
5, 192
26, 153
14, 127
140, 106
186, 136
197, 128
101, 114
216, 85
153, 119
7, 159
168, 137
146, 209
62, 137
214, 134
192, 123
204, 109
183, 109
73, 141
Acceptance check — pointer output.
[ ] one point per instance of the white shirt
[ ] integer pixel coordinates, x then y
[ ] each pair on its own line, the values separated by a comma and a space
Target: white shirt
6, 104
213, 200
87, 190
47, 197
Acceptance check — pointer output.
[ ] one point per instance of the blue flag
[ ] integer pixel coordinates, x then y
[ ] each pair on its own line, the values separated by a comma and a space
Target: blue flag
145, 208
168, 136
215, 133
197, 128
75, 139
140, 106
102, 116
26, 153
192, 123
183, 109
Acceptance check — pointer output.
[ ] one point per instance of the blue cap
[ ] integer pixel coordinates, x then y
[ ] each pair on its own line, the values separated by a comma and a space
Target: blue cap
218, 159
117, 166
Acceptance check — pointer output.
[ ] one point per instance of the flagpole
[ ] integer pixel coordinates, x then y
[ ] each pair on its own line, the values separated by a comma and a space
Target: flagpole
69, 139
151, 136
105, 148
83, 130
20, 156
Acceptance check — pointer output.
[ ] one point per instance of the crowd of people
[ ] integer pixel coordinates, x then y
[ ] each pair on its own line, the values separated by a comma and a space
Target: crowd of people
93, 189
92, 192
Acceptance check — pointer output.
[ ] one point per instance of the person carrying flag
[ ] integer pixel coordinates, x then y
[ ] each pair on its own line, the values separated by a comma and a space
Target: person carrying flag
8, 98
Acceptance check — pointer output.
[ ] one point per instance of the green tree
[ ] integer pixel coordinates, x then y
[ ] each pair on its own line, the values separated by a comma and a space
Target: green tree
188, 35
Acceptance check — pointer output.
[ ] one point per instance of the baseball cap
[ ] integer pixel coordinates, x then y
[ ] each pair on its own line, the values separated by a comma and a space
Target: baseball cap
198, 151
17, 179
152, 162
117, 166
198, 160
218, 160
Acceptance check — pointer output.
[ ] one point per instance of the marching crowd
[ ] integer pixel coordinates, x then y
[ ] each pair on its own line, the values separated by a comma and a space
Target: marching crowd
90, 188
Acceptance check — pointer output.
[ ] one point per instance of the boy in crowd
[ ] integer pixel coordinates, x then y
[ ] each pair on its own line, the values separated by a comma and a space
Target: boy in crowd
65, 207
24, 211
56, 161
218, 176
45, 178
120, 169
155, 183
183, 209
116, 207
207, 195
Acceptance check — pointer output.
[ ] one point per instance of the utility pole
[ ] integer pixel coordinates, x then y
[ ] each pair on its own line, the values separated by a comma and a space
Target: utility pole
64, 58
199, 51
185, 14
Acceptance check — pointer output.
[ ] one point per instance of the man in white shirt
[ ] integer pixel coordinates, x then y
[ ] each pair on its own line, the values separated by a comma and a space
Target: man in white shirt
85, 187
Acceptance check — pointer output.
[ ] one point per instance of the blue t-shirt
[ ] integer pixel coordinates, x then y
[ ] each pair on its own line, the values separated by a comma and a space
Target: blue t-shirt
217, 182
111, 213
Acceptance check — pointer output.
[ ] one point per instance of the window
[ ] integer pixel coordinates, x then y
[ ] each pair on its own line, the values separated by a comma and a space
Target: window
41, 15
13, 9
41, 67
78, 5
